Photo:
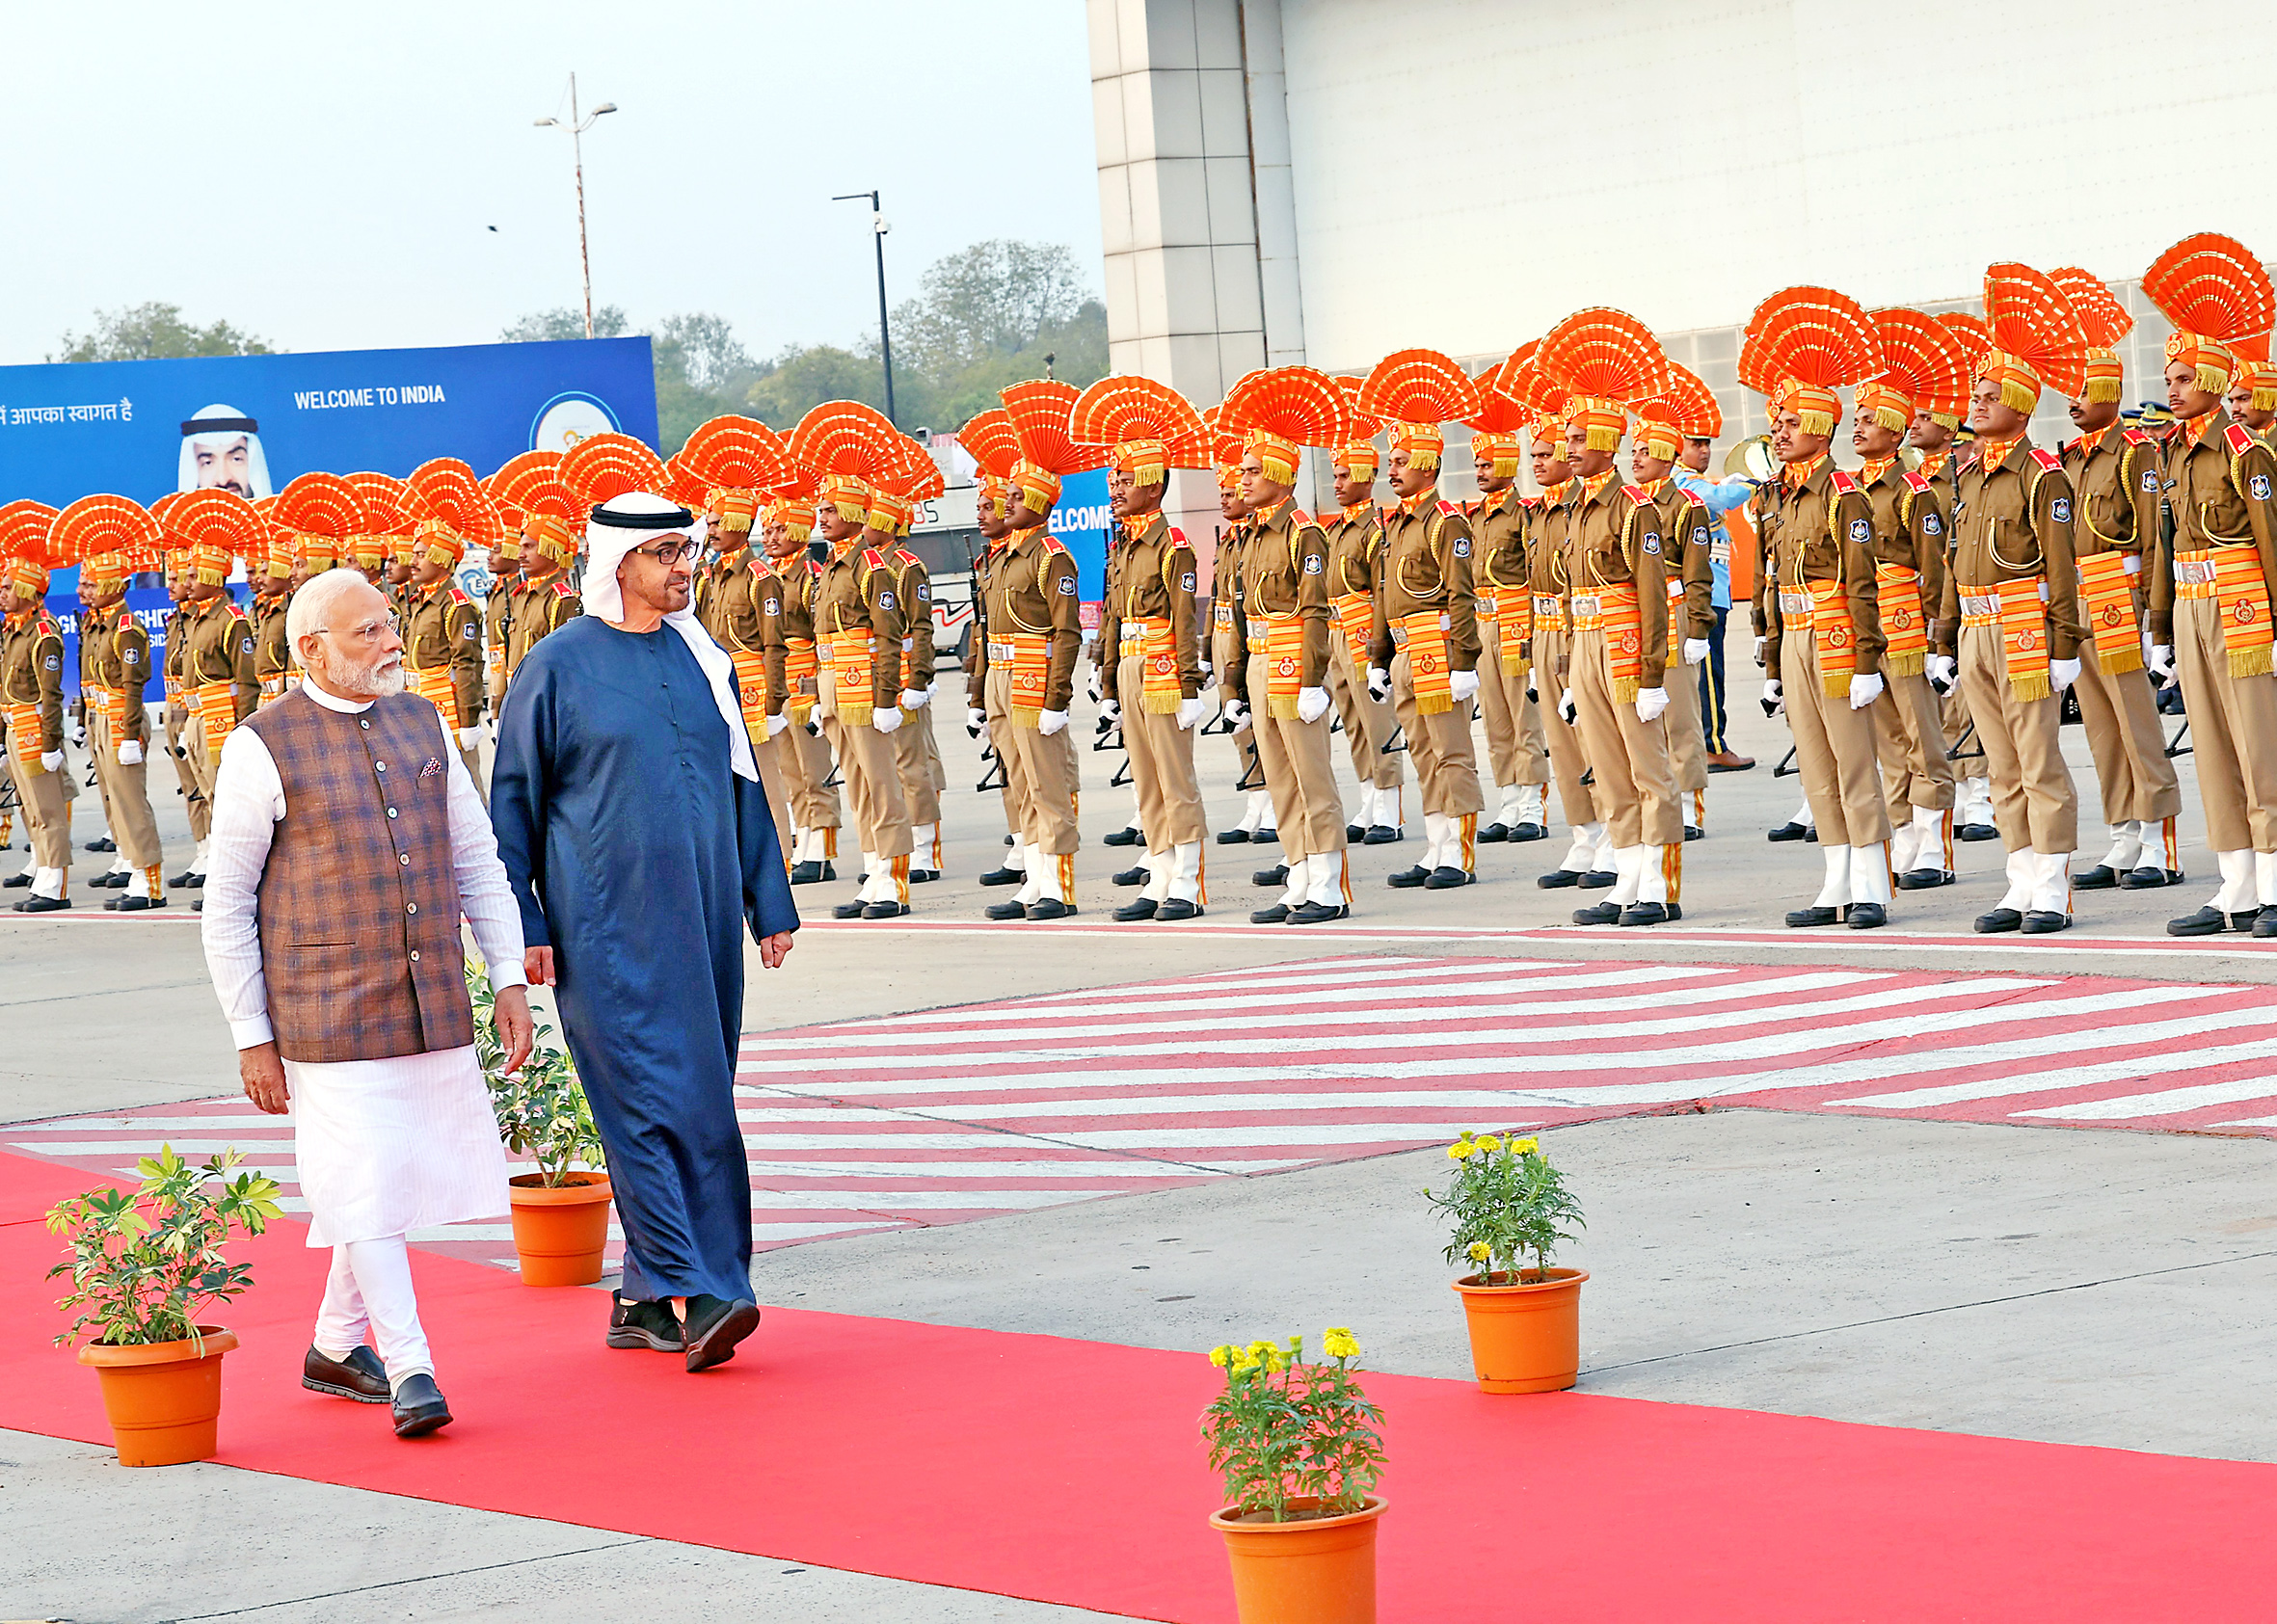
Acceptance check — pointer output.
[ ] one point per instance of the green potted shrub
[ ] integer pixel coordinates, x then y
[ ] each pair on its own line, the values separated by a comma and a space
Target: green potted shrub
146, 1269
1297, 1443
561, 1211
1507, 1204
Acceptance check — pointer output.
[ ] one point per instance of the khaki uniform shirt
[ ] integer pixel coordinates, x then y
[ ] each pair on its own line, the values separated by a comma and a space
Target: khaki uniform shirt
1032, 590
120, 659
1153, 576
858, 589
1687, 553
1912, 528
32, 672
221, 650
535, 612
1613, 539
2014, 523
976, 662
1427, 566
444, 631
1284, 567
1820, 530
2219, 493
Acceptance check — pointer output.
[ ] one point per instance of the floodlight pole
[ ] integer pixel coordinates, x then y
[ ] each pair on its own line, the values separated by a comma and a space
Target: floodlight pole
885, 343
577, 128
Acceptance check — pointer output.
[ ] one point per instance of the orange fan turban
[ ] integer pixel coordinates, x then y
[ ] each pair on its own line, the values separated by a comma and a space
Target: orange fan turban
1357, 459
2219, 299
888, 514
1504, 451
849, 495
1809, 342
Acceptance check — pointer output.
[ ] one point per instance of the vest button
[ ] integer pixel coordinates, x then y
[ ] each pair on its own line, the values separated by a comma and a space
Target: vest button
411, 907
380, 766
414, 955
403, 858
390, 812
365, 725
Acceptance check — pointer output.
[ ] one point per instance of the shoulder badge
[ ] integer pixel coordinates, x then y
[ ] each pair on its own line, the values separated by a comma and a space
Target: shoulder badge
1530, 503
1636, 493
2135, 437
1447, 510
1300, 517
1914, 482
1052, 544
1843, 483
561, 589
460, 599
1178, 539
1693, 497
873, 559
2049, 460
2239, 440
906, 556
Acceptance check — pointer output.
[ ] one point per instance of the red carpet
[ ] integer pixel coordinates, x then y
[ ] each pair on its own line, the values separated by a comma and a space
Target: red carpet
1070, 1472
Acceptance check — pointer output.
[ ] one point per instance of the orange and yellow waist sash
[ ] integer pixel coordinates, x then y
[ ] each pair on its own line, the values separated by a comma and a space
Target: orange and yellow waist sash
751, 690
215, 705
1281, 638
1905, 623
1028, 656
24, 733
1423, 634
1152, 641
801, 665
1613, 611
853, 675
2106, 588
433, 683
2232, 577
2018, 610
1356, 616
1510, 612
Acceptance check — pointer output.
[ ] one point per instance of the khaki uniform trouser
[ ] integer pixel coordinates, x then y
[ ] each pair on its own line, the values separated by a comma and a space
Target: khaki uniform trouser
2121, 715
2034, 803
2233, 733
1569, 752
804, 760
47, 809
1368, 721
199, 807
1910, 736
1836, 750
1047, 772
1162, 765
768, 754
1308, 808
1244, 742
921, 792
1687, 745
1446, 761
1633, 791
127, 798
1517, 746
874, 784
1954, 713
205, 757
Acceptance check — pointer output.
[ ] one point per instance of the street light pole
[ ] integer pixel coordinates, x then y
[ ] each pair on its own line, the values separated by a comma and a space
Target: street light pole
885, 343
577, 128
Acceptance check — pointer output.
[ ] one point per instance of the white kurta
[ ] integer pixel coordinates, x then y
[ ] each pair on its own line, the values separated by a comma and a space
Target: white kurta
383, 1147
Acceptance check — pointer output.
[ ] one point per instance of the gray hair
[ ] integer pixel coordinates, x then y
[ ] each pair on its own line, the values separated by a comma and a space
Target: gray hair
313, 603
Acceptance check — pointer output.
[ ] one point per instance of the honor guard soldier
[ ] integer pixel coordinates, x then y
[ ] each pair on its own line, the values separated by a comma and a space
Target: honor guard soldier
995, 449
1944, 444
1617, 627
2220, 576
1588, 862
1276, 680
1685, 534
442, 643
2015, 591
31, 701
915, 758
386, 522
1151, 620
1517, 746
181, 579
1356, 548
272, 591
2252, 399
1255, 825
111, 536
552, 534
218, 685
787, 522
1424, 647
2117, 486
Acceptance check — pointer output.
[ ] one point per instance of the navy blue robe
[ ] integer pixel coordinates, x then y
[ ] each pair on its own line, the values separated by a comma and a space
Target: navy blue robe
639, 856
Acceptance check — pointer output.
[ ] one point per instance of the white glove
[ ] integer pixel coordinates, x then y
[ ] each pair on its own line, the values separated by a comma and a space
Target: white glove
130, 753
1191, 711
1567, 709
2162, 662
975, 721
2062, 674
1650, 702
469, 738
776, 724
1696, 649
1774, 698
1111, 710
1943, 672
1312, 703
79, 734
885, 718
1865, 689
52, 762
914, 698
1093, 686
1237, 712
1050, 721
1759, 664
1379, 683
1462, 685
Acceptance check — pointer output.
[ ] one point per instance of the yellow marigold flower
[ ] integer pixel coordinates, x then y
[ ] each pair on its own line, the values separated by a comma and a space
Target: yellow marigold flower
1338, 1344
1480, 1251
1489, 1142
1246, 1363
1221, 1356
1457, 1150
1525, 1147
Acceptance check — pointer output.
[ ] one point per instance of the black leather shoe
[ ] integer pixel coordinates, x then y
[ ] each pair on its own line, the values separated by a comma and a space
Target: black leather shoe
1648, 914
1177, 908
2041, 921
1050, 908
1804, 918
1791, 832
41, 905
812, 873
1277, 914
110, 882
1004, 876
1382, 834
15, 880
1266, 837
1124, 836
1494, 833
199, 906
1446, 877
2208, 920
652, 1325
104, 844
1133, 876
1130, 913
923, 876
1997, 921
186, 877
1407, 879
1925, 879
1977, 832
1233, 836
885, 910
1521, 832
1318, 912
2247, 920
132, 904
2266, 926
848, 910
714, 1325
1008, 910
1694, 831
1599, 879
1354, 834
1865, 916
1599, 913
419, 1408
2101, 877
1559, 879
359, 1377
2149, 877
1277, 875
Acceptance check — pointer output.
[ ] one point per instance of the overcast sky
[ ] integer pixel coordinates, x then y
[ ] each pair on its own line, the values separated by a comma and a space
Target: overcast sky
326, 177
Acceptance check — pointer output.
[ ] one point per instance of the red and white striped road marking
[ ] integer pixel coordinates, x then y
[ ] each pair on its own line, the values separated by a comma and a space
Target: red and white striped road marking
942, 1117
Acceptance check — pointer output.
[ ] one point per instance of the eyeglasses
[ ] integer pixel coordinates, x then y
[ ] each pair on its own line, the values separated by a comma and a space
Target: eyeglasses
371, 631
669, 553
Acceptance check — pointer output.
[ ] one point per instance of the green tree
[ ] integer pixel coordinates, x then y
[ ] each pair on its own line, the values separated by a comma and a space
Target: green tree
155, 331
805, 375
566, 320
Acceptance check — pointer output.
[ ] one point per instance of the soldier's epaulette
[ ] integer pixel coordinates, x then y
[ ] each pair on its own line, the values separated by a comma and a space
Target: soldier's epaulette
2049, 460
46, 626
1052, 544
906, 556
1696, 499
874, 559
1178, 539
1914, 482
461, 598
1843, 483
815, 568
1529, 502
2239, 440
1637, 493
1447, 510
561, 589
2137, 437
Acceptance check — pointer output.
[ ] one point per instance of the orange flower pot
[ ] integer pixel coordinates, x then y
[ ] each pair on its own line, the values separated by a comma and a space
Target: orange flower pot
1320, 1570
164, 1398
1525, 1338
560, 1234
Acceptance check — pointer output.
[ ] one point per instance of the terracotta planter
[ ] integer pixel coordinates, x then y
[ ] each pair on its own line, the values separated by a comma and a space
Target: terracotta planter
1321, 1570
1525, 1339
560, 1234
164, 1398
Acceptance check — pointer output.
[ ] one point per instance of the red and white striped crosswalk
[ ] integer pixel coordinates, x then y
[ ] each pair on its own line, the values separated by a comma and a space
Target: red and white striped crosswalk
949, 1115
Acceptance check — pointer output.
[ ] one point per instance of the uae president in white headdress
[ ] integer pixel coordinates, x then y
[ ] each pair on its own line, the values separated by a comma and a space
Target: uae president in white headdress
221, 447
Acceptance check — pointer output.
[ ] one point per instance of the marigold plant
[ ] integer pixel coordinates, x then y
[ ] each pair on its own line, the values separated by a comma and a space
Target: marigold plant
1287, 1429
1507, 1201
542, 1110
